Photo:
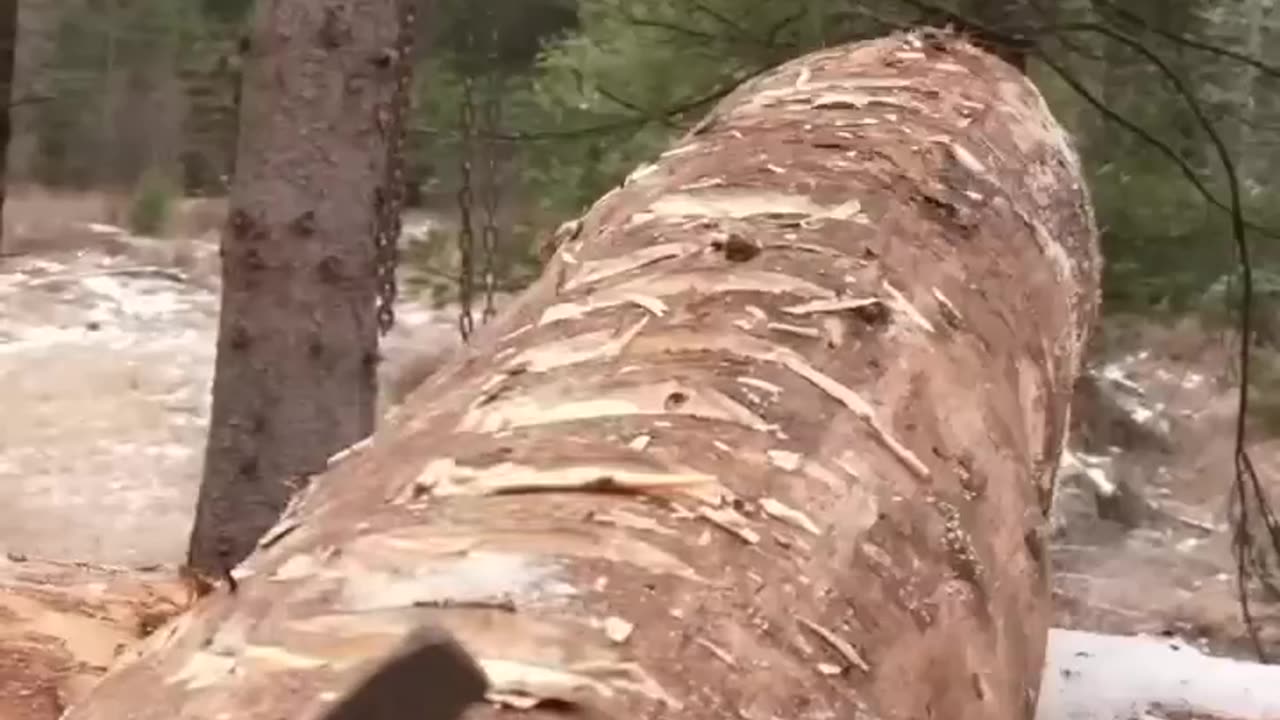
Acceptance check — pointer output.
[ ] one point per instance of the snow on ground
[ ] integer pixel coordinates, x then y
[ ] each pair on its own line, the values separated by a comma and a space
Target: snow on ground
105, 366
106, 360
1090, 676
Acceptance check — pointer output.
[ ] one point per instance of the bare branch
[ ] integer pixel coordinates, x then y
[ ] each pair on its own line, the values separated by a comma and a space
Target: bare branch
1134, 18
1246, 481
647, 113
604, 128
30, 100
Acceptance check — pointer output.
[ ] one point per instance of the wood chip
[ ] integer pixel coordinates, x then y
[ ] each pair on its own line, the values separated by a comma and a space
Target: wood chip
719, 652
905, 305
617, 629
778, 510
949, 312
799, 330
839, 644
785, 460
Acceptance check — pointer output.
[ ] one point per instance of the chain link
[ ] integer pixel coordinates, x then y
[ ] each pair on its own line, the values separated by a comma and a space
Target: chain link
491, 119
389, 199
466, 233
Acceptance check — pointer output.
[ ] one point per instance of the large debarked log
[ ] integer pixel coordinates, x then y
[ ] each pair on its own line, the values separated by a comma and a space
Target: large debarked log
773, 436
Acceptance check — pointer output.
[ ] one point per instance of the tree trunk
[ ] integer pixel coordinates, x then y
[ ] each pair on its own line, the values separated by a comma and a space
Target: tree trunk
8, 57
297, 341
773, 436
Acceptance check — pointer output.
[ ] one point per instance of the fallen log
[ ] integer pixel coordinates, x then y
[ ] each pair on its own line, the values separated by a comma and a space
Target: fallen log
773, 436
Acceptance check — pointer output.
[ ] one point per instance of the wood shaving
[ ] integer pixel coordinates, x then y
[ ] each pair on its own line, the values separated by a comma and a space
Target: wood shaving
760, 385
720, 653
800, 330
791, 516
831, 305
905, 305
839, 644
653, 305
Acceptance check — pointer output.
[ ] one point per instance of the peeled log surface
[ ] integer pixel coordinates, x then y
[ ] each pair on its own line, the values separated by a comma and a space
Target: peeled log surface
63, 624
773, 436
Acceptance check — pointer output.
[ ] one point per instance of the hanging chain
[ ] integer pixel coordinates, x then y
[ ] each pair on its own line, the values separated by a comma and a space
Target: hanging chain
389, 199
491, 119
466, 234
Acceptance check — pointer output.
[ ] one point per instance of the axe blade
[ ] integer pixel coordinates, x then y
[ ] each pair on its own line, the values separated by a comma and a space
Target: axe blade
429, 677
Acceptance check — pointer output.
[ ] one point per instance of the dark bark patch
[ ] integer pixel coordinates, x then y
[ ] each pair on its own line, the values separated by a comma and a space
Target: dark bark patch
385, 58
315, 348
329, 269
939, 210
737, 248
239, 338
832, 144
979, 686
241, 224
874, 314
335, 31
253, 261
1033, 540
304, 225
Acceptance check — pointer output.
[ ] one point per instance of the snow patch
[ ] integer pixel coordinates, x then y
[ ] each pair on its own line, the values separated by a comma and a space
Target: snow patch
138, 298
1090, 676
105, 229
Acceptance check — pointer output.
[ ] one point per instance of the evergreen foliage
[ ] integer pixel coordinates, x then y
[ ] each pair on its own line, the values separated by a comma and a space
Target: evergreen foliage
590, 88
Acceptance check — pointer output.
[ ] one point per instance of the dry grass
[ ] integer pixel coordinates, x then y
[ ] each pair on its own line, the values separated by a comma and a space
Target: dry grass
198, 217
38, 220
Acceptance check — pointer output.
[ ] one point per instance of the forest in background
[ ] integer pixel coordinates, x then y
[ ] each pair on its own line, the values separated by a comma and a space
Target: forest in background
525, 112
567, 96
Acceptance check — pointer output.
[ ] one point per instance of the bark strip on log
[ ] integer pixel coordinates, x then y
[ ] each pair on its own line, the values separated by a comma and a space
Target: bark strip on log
772, 437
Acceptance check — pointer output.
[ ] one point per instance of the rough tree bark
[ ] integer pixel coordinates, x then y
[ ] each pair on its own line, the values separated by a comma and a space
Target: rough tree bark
297, 340
8, 56
772, 437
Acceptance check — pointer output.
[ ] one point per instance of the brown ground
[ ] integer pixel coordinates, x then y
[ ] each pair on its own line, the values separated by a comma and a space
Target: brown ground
1163, 564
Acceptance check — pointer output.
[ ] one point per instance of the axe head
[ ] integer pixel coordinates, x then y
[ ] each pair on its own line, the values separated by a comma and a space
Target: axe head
429, 677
